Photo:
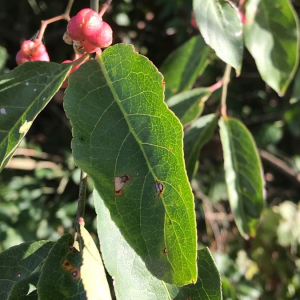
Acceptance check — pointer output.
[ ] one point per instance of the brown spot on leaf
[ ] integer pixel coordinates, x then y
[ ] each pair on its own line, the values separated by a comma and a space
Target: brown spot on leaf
75, 273
170, 149
66, 265
119, 184
159, 188
164, 251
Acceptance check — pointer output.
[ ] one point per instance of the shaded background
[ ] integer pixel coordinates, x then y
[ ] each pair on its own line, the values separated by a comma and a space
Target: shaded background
39, 190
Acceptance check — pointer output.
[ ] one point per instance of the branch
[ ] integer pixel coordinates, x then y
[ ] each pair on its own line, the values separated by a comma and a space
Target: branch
81, 199
226, 80
280, 165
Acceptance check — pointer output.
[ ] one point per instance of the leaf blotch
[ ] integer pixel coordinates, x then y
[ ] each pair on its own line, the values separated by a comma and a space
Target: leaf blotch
164, 251
119, 184
75, 273
159, 188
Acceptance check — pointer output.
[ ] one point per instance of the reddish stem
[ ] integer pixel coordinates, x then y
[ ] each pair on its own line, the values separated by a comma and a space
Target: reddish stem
216, 86
104, 8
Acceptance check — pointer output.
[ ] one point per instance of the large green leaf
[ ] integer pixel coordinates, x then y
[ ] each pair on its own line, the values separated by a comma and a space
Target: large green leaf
221, 28
133, 280
184, 65
130, 144
19, 262
189, 105
60, 277
24, 92
200, 132
272, 37
92, 271
243, 174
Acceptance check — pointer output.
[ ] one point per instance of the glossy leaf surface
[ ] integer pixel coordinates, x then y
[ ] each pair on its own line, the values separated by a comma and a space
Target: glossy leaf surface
243, 174
222, 30
198, 134
92, 271
134, 281
24, 92
272, 37
19, 262
60, 277
188, 105
130, 144
184, 65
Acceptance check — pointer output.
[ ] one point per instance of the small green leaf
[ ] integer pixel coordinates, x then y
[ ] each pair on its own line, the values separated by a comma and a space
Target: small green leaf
200, 132
296, 89
3, 57
184, 65
92, 270
243, 173
188, 105
24, 92
132, 278
26, 288
60, 277
19, 262
222, 30
130, 144
272, 38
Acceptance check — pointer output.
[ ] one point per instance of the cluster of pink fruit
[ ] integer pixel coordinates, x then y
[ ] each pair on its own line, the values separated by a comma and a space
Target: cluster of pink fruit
86, 30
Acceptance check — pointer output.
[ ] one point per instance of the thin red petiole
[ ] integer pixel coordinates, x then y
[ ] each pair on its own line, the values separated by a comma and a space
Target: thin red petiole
64, 16
104, 8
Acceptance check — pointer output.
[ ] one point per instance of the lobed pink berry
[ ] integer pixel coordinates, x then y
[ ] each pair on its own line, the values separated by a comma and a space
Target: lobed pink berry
32, 51
88, 28
103, 38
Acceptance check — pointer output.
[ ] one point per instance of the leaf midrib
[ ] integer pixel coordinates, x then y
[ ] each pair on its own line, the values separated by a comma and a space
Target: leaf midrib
117, 100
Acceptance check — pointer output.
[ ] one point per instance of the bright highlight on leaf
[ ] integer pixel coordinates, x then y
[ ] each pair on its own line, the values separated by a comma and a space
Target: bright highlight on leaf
221, 27
122, 126
272, 38
243, 174
92, 270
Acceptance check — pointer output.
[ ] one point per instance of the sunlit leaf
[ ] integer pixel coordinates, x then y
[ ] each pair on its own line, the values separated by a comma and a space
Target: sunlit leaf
184, 65
200, 132
222, 30
24, 92
133, 280
60, 278
19, 262
272, 37
243, 174
128, 141
92, 270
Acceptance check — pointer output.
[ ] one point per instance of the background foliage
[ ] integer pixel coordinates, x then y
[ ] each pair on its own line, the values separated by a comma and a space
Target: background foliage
39, 188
